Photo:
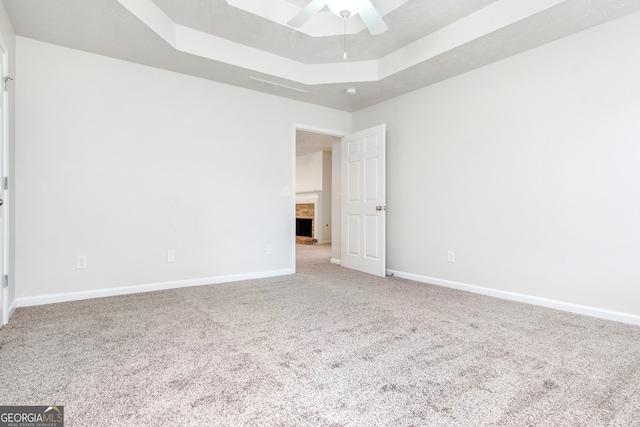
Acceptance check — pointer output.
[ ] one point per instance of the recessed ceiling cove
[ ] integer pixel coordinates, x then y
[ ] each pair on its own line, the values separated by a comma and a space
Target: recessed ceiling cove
473, 26
425, 42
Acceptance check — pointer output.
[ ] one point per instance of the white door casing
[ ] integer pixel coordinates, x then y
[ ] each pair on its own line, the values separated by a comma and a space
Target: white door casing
4, 294
363, 217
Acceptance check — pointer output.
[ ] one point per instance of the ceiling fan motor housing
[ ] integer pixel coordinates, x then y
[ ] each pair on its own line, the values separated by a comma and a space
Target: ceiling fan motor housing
345, 8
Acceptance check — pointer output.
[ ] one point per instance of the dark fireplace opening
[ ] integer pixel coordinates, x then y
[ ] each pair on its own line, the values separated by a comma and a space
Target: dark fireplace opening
304, 227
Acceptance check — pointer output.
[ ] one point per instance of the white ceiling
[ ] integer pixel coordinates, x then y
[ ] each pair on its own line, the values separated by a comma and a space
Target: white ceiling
427, 41
311, 142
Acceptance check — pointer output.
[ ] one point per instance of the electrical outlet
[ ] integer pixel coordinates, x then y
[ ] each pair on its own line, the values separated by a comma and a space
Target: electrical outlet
451, 256
171, 255
269, 249
81, 262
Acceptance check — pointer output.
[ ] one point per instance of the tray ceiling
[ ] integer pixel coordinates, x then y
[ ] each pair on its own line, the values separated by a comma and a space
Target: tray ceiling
237, 43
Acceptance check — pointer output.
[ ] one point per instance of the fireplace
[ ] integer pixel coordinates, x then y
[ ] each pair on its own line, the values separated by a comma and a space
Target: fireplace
304, 227
305, 222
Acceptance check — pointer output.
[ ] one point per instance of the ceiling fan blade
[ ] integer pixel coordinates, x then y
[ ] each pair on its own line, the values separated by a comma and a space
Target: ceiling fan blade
372, 19
306, 13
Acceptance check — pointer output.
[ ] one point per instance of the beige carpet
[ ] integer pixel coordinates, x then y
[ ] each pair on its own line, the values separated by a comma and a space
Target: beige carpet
325, 347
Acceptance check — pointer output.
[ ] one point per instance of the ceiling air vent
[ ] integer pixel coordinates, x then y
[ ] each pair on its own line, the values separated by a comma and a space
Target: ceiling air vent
269, 84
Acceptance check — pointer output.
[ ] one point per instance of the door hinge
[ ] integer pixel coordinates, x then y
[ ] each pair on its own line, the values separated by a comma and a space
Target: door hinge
5, 183
5, 281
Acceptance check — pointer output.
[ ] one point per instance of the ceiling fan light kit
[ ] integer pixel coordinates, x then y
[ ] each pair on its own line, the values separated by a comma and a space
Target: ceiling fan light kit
345, 8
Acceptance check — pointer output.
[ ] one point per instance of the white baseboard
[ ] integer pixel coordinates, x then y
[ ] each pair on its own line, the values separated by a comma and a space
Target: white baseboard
12, 308
109, 292
336, 261
529, 299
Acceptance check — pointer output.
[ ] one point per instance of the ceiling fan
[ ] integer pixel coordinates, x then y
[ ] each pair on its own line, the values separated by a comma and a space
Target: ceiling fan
344, 9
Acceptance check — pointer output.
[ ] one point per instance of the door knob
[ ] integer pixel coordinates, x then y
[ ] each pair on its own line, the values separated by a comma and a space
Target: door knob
1, 202
379, 208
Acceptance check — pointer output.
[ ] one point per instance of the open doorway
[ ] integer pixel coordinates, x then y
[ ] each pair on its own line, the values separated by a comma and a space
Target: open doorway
317, 191
358, 222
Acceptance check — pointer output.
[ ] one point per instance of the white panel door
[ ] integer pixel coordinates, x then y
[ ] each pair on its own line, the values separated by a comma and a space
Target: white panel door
363, 204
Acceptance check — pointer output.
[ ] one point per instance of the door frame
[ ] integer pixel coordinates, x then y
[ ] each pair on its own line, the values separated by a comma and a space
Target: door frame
307, 128
4, 194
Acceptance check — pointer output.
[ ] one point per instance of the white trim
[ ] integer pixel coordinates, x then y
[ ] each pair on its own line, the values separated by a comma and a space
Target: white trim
126, 290
316, 129
336, 261
601, 313
12, 308
7, 310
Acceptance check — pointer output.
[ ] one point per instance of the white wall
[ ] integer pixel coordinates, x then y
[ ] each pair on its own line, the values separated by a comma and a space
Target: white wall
528, 169
309, 172
122, 162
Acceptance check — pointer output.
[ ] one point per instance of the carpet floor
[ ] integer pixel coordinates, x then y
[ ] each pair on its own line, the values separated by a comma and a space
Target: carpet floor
324, 347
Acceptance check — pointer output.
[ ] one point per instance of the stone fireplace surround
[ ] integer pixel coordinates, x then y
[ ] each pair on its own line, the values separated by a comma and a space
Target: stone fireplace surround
307, 211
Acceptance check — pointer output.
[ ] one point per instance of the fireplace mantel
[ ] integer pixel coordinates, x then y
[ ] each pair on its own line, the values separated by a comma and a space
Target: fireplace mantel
308, 196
